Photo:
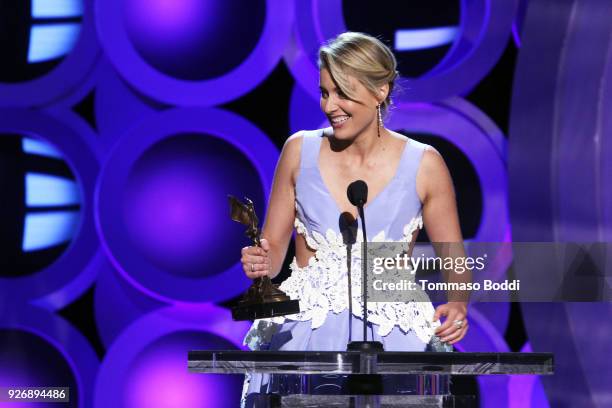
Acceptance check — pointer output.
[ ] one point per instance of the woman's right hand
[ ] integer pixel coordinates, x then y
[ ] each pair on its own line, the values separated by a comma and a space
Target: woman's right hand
255, 260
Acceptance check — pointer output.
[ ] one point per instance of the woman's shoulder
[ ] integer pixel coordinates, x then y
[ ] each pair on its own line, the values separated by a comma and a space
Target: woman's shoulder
295, 150
415, 148
313, 133
295, 143
300, 135
292, 148
428, 160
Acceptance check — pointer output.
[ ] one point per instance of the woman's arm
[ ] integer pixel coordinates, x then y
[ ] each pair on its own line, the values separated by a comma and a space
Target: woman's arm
435, 189
280, 215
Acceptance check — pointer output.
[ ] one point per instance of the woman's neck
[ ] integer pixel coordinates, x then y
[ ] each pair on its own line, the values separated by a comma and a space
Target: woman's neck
362, 147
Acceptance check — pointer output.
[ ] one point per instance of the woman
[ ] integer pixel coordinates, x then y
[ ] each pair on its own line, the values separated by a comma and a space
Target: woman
409, 185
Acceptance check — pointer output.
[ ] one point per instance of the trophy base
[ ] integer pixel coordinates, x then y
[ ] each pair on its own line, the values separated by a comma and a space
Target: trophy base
254, 311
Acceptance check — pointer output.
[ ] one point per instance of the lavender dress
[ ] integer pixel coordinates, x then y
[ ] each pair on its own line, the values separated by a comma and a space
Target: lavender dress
324, 322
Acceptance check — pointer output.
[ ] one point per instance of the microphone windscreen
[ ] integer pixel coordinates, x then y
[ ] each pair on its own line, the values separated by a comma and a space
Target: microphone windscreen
348, 228
357, 193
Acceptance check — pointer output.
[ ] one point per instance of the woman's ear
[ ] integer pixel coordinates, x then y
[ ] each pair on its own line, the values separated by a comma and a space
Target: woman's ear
383, 92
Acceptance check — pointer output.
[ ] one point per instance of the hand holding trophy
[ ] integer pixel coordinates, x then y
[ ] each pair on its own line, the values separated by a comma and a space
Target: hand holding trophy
263, 299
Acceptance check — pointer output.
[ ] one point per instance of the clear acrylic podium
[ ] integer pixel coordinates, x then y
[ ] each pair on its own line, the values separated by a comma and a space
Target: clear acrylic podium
421, 378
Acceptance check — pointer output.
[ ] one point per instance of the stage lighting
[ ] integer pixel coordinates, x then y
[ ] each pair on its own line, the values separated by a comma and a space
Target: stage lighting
36, 36
420, 33
41, 209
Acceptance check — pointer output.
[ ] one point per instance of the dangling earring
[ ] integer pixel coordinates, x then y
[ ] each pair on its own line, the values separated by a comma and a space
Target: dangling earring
379, 118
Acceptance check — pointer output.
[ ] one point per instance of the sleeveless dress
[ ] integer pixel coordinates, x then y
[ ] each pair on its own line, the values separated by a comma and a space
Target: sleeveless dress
324, 322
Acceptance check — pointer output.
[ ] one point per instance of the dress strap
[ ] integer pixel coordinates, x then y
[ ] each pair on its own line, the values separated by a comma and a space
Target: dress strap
411, 159
311, 145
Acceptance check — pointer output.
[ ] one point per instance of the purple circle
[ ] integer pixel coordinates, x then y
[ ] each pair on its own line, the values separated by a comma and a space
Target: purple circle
161, 340
483, 33
22, 352
175, 196
70, 274
63, 79
114, 181
157, 377
73, 347
126, 59
181, 38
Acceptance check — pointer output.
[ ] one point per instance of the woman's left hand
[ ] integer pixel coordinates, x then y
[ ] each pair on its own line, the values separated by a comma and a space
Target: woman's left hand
451, 331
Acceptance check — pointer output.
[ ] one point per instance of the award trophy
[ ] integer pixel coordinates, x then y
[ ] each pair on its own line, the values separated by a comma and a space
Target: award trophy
263, 299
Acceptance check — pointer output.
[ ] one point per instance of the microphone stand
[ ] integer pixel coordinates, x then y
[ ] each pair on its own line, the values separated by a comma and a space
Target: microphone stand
367, 381
365, 345
349, 253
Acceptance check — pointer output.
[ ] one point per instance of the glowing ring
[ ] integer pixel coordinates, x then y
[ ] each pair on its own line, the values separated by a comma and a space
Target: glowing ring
127, 60
486, 23
141, 273
64, 79
62, 336
131, 342
71, 274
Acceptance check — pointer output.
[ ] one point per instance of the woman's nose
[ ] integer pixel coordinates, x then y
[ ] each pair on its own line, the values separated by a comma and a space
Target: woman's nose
330, 104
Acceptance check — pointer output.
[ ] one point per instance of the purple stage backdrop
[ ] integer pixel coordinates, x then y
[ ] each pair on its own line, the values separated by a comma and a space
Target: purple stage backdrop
125, 123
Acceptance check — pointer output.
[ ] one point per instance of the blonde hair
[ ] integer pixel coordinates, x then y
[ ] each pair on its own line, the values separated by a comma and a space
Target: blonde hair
362, 56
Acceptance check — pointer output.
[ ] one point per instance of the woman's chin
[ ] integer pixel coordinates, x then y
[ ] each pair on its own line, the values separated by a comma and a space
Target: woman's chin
342, 132
343, 135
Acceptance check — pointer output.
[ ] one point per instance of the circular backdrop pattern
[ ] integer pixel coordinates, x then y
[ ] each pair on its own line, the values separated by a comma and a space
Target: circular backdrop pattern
71, 71
53, 340
168, 179
479, 139
62, 278
191, 34
146, 365
128, 304
483, 33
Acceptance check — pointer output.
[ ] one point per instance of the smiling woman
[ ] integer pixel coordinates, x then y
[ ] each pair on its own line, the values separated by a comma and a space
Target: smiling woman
358, 68
409, 186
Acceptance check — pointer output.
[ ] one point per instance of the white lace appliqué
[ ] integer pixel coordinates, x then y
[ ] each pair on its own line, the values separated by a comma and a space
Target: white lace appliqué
321, 287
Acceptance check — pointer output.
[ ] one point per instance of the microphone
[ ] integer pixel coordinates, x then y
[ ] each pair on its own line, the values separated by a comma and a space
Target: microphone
348, 229
357, 193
